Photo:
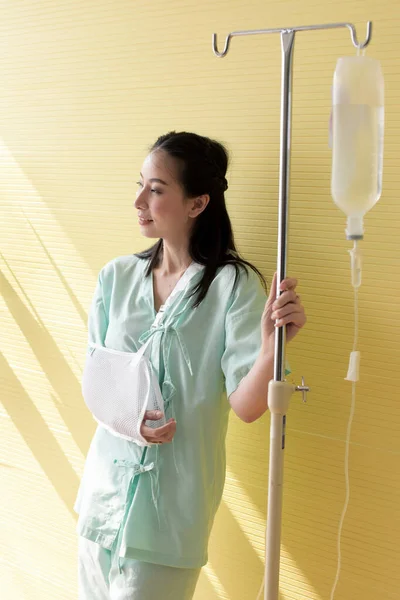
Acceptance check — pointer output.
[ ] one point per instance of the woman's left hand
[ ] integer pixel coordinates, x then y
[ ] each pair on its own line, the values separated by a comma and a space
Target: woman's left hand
285, 310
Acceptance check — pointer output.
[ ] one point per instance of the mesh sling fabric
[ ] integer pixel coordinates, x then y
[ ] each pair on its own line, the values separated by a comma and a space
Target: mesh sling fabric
119, 387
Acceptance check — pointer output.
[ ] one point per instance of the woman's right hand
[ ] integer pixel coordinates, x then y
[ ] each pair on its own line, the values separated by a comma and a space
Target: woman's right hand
159, 435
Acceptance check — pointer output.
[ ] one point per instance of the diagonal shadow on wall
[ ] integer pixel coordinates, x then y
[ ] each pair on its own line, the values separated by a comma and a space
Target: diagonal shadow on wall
205, 589
236, 563
67, 287
37, 436
52, 362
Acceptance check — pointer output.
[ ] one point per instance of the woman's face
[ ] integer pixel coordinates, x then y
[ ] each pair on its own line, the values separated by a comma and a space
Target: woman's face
163, 210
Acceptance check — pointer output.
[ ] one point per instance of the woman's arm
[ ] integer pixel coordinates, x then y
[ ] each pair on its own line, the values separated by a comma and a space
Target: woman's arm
250, 400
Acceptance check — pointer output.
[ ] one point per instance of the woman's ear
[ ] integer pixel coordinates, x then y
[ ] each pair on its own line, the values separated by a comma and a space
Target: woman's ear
198, 204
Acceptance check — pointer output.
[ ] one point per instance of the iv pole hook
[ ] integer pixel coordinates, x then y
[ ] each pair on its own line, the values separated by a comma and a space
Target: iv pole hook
354, 35
349, 26
215, 45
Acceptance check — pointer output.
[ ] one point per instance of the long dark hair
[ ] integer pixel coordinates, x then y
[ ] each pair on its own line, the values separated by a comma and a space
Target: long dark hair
202, 164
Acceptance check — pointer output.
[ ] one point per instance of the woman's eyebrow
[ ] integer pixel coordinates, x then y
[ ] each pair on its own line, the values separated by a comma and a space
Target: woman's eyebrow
156, 179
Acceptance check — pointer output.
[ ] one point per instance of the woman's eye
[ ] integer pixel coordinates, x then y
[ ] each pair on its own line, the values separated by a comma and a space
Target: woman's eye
152, 190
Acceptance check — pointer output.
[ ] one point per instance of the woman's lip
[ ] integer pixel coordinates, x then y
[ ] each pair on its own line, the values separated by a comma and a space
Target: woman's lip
144, 221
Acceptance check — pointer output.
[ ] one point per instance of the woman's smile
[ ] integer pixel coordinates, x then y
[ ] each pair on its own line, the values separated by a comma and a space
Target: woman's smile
145, 221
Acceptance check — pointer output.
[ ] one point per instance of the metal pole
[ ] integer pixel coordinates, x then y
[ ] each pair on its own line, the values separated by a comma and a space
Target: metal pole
278, 422
287, 41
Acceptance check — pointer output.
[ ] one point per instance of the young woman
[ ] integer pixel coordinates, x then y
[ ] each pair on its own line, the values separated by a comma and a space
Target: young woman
145, 513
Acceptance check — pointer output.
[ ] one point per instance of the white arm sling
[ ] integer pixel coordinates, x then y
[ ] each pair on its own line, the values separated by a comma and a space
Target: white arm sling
119, 387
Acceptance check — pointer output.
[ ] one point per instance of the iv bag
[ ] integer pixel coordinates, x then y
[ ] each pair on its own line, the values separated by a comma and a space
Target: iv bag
357, 139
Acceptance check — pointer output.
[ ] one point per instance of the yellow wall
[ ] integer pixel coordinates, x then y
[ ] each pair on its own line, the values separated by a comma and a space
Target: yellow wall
85, 88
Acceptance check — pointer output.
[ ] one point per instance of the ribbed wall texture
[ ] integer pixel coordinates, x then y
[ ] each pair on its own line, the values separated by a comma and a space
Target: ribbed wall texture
86, 87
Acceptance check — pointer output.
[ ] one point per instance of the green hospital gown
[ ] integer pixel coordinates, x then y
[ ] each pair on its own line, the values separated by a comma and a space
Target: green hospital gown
161, 500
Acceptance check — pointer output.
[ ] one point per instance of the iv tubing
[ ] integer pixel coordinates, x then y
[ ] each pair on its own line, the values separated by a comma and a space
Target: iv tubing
356, 277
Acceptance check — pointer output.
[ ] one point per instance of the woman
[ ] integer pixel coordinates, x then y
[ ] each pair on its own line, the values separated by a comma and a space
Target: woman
145, 514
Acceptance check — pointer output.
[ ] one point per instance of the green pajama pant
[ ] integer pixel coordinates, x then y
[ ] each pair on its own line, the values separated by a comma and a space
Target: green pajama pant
99, 577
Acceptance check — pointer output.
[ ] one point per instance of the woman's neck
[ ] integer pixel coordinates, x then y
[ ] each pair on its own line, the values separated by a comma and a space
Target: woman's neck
175, 260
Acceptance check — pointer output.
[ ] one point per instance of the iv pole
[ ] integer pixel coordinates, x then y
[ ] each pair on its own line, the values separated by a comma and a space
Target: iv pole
279, 391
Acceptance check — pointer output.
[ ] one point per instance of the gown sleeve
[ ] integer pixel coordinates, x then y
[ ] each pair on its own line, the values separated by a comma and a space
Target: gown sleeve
243, 330
98, 314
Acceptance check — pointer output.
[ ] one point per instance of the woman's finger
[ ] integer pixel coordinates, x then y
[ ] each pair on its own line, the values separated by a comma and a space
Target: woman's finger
159, 433
294, 318
289, 283
164, 440
152, 415
285, 298
287, 310
272, 291
168, 437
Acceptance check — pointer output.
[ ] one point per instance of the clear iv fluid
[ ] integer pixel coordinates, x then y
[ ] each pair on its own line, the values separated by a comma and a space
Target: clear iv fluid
357, 139
357, 157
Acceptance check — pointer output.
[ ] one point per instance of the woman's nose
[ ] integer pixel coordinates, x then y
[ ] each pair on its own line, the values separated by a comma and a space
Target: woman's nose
140, 200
